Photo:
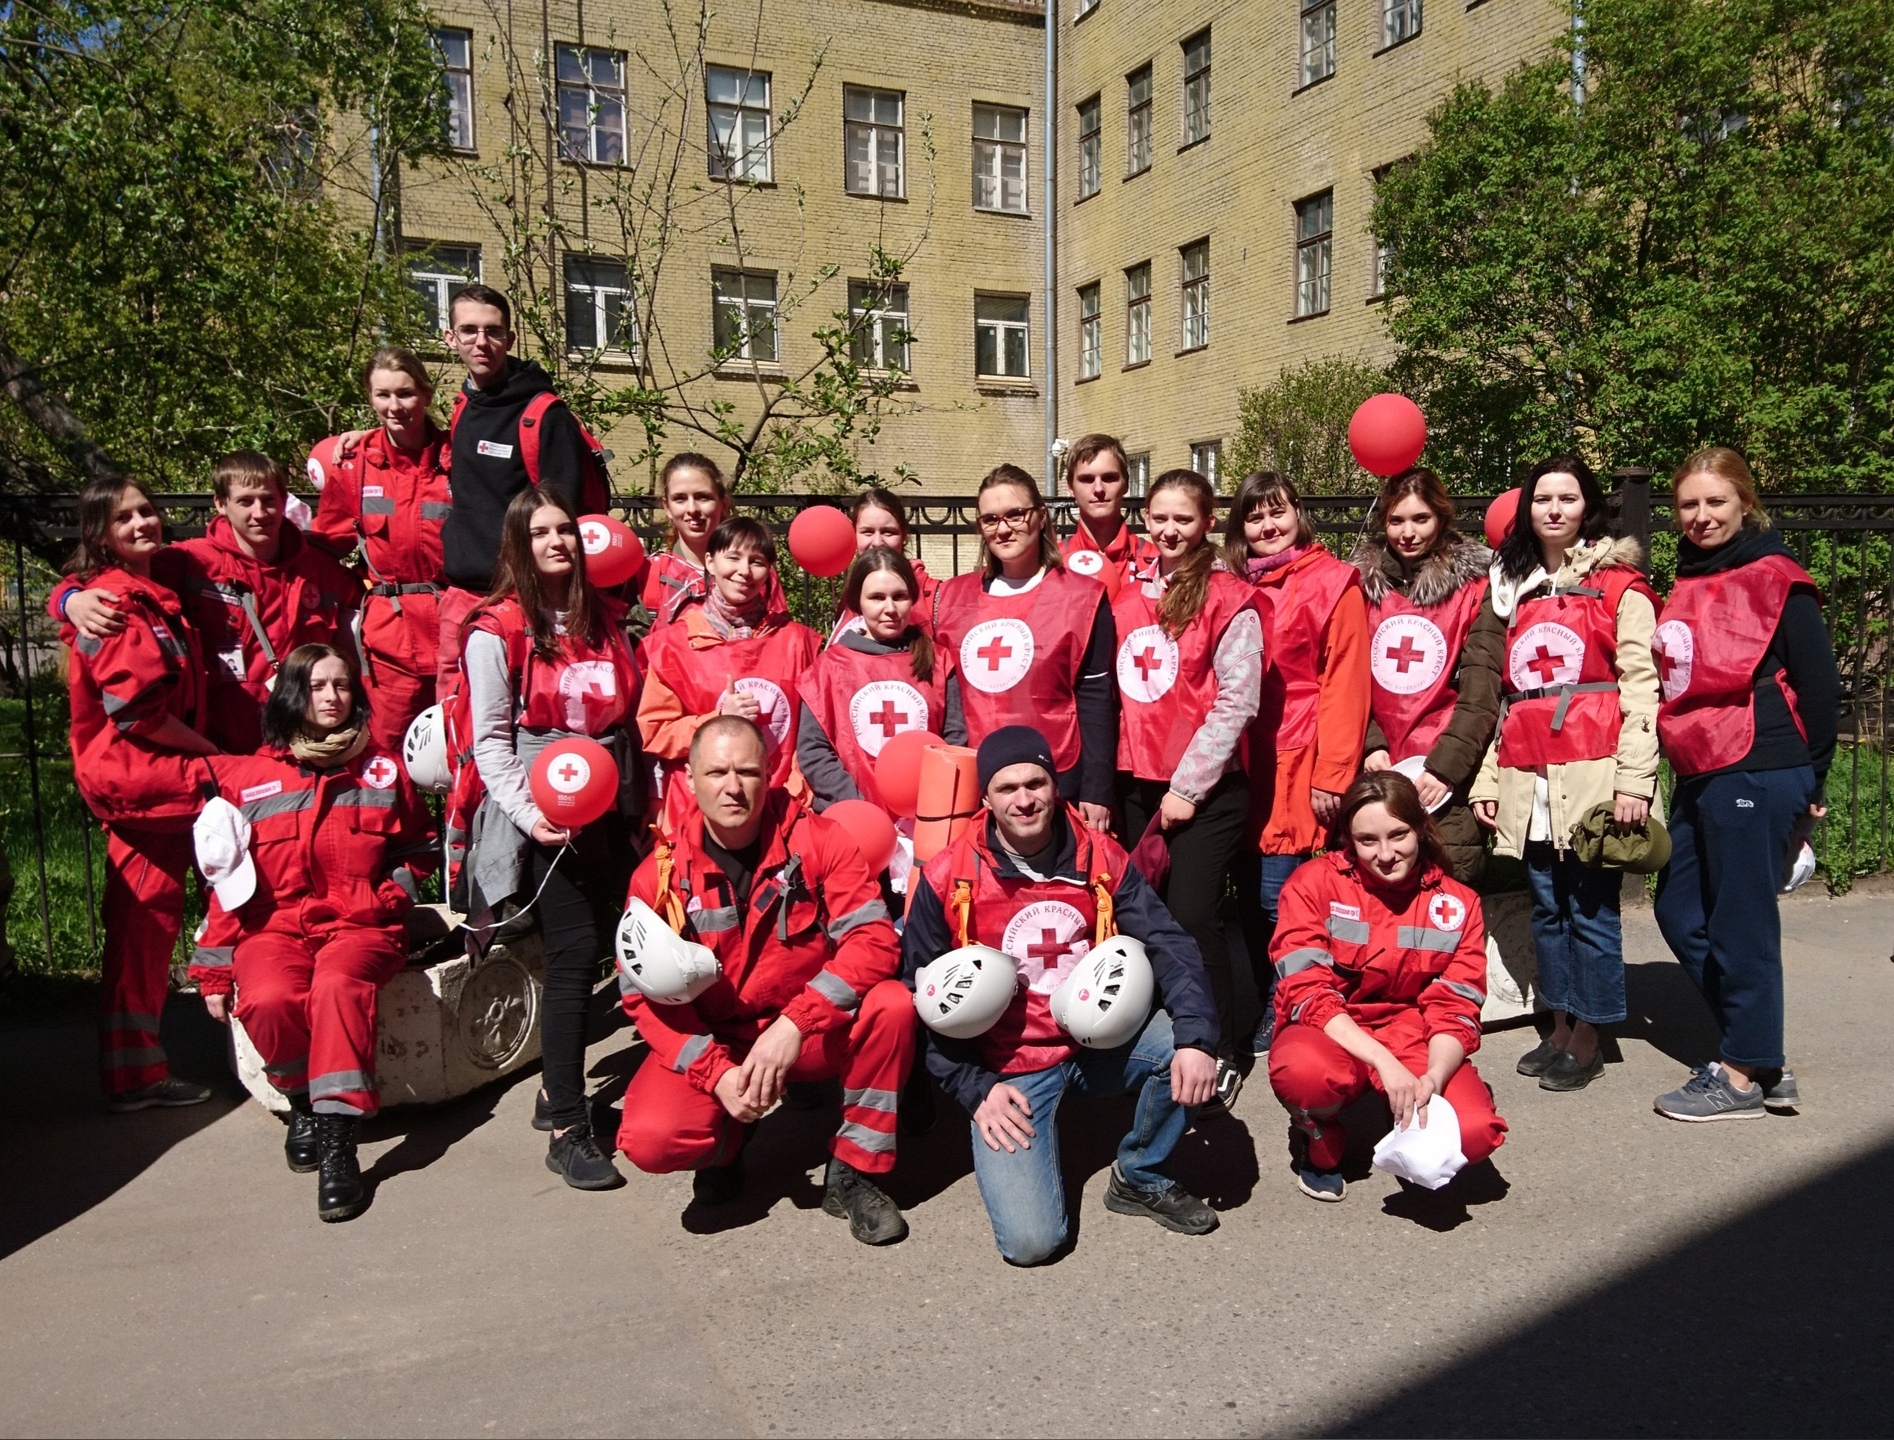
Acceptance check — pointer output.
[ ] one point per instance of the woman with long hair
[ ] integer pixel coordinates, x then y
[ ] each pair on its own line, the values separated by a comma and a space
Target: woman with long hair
1433, 654
1577, 734
137, 697
546, 658
311, 919
1750, 711
1190, 674
881, 522
1382, 955
1033, 644
696, 501
1305, 745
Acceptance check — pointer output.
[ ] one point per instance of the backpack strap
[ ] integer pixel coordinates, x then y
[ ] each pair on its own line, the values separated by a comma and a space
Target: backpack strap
960, 908
453, 418
668, 904
1107, 925
530, 417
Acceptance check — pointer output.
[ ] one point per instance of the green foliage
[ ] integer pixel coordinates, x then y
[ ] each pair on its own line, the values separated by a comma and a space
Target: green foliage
1298, 424
1699, 253
176, 259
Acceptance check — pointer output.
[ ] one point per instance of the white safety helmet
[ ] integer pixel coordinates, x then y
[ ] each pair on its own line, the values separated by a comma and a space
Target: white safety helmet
424, 748
965, 991
666, 968
1106, 999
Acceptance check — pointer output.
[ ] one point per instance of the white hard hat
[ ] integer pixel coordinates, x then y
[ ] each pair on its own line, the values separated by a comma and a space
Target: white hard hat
662, 965
221, 838
425, 750
1106, 999
1427, 1157
965, 991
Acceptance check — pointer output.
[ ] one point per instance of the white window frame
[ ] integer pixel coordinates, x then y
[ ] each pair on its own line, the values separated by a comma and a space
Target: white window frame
1091, 134
1195, 292
1206, 458
1197, 87
457, 80
1091, 331
994, 156
604, 102
734, 122
1138, 314
1138, 473
1400, 21
425, 270
1315, 254
1318, 40
745, 306
883, 143
1003, 330
878, 320
595, 293
1140, 141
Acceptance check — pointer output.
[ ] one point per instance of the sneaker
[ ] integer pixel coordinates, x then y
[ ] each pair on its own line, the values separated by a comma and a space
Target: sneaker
542, 1117
340, 1193
169, 1092
1708, 1095
1325, 1185
1565, 1073
1229, 1085
576, 1156
300, 1147
872, 1217
717, 1184
1265, 1032
1536, 1061
1779, 1091
1174, 1207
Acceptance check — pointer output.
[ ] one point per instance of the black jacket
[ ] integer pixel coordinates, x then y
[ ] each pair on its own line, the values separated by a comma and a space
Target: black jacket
487, 470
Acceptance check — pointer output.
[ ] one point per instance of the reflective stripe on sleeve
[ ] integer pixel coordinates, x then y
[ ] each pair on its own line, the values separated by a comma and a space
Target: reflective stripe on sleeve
690, 1052
1463, 990
214, 957
1299, 960
834, 989
436, 509
887, 1101
872, 911
875, 1142
365, 799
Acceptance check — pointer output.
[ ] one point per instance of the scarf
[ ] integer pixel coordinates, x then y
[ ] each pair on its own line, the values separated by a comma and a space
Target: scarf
1258, 566
732, 624
326, 752
1746, 545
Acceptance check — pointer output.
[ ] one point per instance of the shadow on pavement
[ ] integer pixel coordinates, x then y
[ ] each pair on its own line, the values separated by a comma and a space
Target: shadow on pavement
1777, 1323
1666, 1011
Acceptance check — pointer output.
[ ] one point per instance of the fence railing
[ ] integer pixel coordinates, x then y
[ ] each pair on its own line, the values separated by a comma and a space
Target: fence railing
1845, 541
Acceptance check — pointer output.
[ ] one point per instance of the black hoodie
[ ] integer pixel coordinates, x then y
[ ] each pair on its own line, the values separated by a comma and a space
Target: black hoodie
488, 472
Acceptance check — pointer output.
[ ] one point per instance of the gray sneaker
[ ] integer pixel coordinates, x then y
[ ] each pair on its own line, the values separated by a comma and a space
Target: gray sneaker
1708, 1095
1779, 1092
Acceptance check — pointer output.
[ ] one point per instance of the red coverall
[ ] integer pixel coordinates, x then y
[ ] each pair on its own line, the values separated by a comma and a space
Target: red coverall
1403, 975
814, 944
338, 853
392, 505
122, 688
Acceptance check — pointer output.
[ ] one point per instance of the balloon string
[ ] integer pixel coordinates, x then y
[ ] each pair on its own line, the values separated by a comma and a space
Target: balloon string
527, 907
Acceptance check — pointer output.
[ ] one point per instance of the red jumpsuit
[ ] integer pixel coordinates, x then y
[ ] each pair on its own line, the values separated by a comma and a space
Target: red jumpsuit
392, 505
122, 688
815, 944
1404, 975
338, 854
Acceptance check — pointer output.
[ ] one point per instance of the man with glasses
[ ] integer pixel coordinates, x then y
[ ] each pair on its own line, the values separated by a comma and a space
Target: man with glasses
1102, 545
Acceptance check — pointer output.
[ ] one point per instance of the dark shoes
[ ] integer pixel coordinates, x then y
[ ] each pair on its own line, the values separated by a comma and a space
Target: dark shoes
1325, 1185
1565, 1073
169, 1092
849, 1195
576, 1156
1536, 1061
718, 1184
1780, 1094
1174, 1208
340, 1193
300, 1146
542, 1117
1229, 1086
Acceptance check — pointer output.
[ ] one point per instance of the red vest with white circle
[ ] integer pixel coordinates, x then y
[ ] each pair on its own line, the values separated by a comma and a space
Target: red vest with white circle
1047, 926
1018, 656
1711, 637
864, 701
669, 581
1167, 685
1303, 595
1561, 674
1413, 660
1112, 565
588, 690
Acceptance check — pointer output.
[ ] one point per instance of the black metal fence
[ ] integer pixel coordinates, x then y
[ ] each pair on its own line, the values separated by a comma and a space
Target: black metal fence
1843, 540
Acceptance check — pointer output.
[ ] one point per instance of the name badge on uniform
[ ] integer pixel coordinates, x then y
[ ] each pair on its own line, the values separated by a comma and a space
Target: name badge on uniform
260, 792
495, 448
1344, 912
371, 492
233, 662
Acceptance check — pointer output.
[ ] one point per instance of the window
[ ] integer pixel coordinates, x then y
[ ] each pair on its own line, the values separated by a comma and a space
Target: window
592, 104
1383, 251
1138, 122
878, 316
745, 314
1091, 150
1091, 333
1138, 474
1315, 238
1002, 335
1205, 456
873, 126
1318, 40
455, 48
738, 104
1196, 88
598, 310
1138, 314
1196, 295
1085, 7
1400, 20
437, 273
999, 159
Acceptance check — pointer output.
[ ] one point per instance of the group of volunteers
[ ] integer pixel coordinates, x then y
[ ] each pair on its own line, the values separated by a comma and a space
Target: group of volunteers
1151, 722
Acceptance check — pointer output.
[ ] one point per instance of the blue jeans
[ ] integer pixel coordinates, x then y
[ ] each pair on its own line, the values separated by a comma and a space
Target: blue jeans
1023, 1190
1577, 934
1716, 900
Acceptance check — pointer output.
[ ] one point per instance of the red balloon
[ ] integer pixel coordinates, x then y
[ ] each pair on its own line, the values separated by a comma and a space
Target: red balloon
822, 539
574, 781
1387, 434
613, 551
868, 826
898, 770
1499, 517
322, 462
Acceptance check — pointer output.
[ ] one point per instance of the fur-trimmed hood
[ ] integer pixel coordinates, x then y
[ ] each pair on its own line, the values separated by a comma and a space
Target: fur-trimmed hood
1458, 562
1580, 561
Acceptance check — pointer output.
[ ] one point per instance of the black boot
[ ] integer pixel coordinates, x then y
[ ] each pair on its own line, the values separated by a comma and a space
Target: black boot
340, 1194
299, 1146
872, 1217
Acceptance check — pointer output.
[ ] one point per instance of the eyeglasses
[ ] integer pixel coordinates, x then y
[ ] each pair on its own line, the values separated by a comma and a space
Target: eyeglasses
474, 332
1013, 519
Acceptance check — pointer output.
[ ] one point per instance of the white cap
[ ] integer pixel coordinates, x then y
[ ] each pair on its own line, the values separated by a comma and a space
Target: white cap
1428, 1157
223, 852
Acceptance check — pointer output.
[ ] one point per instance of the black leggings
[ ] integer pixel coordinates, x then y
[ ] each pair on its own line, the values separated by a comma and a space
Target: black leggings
1201, 854
578, 914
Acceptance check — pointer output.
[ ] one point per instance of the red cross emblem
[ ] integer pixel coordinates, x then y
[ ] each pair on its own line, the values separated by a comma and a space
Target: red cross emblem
1664, 663
1405, 654
569, 772
889, 719
994, 651
1049, 947
1147, 660
1447, 912
1545, 664
379, 773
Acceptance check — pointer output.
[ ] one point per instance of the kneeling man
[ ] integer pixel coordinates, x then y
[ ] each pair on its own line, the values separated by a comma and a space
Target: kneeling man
785, 902
1030, 879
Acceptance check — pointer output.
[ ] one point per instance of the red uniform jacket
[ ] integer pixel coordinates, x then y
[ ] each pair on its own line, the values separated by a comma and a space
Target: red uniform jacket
813, 939
1339, 948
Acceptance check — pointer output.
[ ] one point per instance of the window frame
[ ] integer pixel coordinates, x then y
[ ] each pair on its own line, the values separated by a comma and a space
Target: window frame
1091, 318
1138, 474
1140, 120
594, 106
1091, 138
1410, 11
998, 149
443, 298
1320, 243
1310, 10
877, 131
1213, 449
598, 303
1001, 328
1138, 316
1196, 110
868, 325
745, 303
736, 166
455, 102
1194, 298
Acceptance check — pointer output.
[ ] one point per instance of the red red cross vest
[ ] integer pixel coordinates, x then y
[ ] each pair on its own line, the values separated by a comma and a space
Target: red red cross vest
669, 580
1167, 685
1112, 565
864, 701
1413, 660
1303, 596
1711, 637
1561, 675
1047, 926
1018, 656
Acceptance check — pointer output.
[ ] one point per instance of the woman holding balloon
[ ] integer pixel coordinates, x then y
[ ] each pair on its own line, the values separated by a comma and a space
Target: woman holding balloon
547, 663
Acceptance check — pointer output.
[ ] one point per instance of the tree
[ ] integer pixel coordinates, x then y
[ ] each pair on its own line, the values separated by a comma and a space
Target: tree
1695, 248
1298, 424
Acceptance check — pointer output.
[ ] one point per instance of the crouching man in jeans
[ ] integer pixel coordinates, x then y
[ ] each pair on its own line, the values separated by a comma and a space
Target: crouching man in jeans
1030, 879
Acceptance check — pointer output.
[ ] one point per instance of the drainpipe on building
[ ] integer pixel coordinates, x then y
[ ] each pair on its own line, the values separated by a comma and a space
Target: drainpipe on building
1052, 274
1578, 54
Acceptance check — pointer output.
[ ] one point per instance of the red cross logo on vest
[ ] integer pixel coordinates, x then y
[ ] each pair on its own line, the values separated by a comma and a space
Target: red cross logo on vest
772, 707
996, 654
1545, 655
1408, 654
1147, 664
379, 773
1675, 650
1047, 938
586, 680
1446, 912
1089, 563
883, 709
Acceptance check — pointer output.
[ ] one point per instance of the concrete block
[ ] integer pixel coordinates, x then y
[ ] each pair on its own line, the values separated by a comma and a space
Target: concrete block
1512, 965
